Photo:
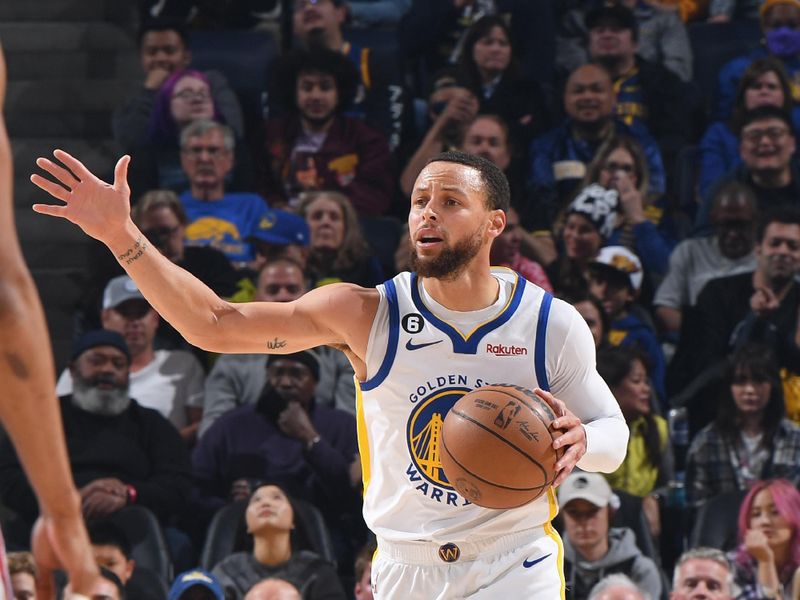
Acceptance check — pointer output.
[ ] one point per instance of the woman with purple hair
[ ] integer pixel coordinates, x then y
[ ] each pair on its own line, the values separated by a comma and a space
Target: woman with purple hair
185, 96
769, 541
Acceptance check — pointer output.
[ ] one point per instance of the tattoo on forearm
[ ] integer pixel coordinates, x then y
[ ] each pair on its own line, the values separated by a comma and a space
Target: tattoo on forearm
17, 365
134, 252
275, 344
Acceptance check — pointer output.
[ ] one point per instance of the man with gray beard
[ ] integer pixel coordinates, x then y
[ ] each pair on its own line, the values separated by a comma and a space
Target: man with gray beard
120, 452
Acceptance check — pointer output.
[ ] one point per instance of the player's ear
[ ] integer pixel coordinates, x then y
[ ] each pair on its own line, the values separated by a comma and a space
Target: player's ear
497, 222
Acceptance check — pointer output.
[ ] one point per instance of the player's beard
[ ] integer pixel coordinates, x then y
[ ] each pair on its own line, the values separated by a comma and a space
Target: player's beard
107, 403
451, 261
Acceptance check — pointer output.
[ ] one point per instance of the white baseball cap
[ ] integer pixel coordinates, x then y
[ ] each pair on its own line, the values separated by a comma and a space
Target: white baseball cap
622, 259
591, 487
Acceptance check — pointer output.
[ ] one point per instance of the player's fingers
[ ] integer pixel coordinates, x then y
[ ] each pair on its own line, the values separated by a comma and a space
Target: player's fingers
49, 209
557, 405
573, 436
121, 174
56, 191
566, 422
57, 171
73, 164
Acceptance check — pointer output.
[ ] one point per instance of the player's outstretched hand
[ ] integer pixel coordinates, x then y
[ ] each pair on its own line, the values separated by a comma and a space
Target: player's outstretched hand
62, 543
572, 440
98, 208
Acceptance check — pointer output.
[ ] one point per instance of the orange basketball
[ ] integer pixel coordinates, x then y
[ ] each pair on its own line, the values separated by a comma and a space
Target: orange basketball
497, 446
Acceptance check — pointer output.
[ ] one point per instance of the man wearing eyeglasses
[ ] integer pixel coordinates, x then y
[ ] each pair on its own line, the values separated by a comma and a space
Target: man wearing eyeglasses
766, 147
217, 218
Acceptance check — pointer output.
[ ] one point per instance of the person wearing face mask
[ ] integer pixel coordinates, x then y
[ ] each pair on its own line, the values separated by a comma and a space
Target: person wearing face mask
120, 452
750, 439
780, 23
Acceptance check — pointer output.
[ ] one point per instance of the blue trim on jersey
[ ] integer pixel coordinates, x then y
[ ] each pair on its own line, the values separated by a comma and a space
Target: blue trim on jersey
468, 344
541, 334
394, 334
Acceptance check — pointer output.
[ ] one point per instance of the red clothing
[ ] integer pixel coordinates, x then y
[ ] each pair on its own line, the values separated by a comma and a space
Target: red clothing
354, 159
532, 271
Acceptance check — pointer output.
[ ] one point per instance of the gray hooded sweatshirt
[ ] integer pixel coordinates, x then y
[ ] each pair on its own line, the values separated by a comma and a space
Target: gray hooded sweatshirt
623, 556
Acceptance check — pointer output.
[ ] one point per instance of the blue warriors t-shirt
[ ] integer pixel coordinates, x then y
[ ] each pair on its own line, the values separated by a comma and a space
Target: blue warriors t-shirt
224, 224
630, 97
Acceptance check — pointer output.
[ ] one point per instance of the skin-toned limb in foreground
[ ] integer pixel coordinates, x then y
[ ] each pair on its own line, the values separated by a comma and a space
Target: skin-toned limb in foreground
447, 198
29, 410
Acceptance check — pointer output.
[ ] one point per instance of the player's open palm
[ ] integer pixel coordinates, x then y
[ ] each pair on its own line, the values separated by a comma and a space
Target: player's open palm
98, 208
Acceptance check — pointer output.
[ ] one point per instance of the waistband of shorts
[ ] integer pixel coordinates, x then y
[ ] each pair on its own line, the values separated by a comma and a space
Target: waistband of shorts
424, 553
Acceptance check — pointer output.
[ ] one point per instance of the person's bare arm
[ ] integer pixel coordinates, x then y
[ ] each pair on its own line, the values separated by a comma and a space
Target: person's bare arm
669, 318
339, 314
29, 410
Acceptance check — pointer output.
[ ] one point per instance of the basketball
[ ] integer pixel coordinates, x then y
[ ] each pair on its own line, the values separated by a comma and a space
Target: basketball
497, 446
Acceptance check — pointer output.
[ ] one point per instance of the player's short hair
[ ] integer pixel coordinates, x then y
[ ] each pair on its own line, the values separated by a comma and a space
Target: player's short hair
495, 184
703, 553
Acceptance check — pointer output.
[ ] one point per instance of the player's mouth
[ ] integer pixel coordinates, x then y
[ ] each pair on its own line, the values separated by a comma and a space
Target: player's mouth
428, 238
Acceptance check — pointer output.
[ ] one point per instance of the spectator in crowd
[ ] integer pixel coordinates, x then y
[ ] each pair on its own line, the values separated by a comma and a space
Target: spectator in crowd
696, 261
164, 50
492, 73
338, 250
183, 99
505, 253
315, 146
558, 158
592, 548
120, 452
645, 91
238, 379
107, 587
317, 446
643, 223
369, 13
591, 309
590, 219
160, 216
196, 584
216, 217
768, 554
764, 83
758, 306
648, 464
615, 277
617, 586
363, 572
169, 381
780, 20
273, 589
111, 549
452, 106
23, 573
766, 147
750, 439
278, 551
662, 36
381, 98
280, 234
702, 574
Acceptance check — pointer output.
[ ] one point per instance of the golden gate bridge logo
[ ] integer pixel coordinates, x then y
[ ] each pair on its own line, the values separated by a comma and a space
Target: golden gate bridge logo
425, 433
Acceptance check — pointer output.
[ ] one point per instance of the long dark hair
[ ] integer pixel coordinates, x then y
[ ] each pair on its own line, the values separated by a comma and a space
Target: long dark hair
757, 68
466, 62
614, 365
757, 362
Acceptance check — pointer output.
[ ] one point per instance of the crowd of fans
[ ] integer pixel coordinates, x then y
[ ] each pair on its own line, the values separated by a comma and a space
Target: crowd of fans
588, 107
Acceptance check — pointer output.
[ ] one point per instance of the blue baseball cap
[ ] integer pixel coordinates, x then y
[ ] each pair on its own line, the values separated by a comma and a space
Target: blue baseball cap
192, 578
282, 228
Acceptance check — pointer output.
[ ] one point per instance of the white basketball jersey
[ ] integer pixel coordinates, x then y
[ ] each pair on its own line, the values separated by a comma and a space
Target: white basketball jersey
418, 367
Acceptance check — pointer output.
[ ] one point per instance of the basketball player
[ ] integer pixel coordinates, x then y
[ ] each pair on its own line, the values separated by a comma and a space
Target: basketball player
28, 407
417, 343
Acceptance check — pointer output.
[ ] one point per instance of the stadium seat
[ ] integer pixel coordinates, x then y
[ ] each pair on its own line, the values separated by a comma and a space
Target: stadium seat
223, 534
148, 544
715, 524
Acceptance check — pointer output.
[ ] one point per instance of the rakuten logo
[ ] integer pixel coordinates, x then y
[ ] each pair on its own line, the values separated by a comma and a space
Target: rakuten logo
501, 350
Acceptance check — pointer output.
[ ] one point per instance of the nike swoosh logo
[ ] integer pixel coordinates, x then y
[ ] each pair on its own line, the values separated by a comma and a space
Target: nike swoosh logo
412, 346
530, 563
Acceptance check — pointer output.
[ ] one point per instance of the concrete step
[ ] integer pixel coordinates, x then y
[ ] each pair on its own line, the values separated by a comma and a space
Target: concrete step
73, 64
73, 123
59, 95
54, 10
64, 37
